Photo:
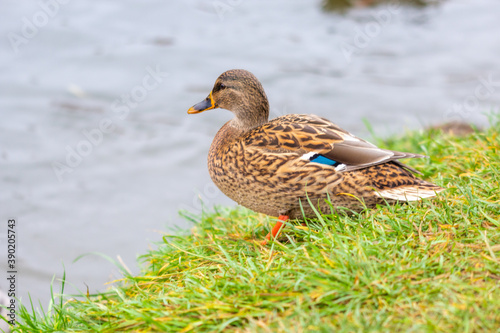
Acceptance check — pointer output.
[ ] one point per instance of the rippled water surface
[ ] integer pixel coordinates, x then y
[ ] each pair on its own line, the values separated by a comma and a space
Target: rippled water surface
97, 153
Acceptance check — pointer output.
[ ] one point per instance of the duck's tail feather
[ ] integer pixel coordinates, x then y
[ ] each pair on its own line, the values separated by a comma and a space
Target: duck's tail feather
411, 192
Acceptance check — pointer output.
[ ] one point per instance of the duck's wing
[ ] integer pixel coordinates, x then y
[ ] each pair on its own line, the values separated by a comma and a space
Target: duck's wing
321, 141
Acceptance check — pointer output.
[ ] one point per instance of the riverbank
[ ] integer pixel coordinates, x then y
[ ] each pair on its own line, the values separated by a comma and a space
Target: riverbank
428, 266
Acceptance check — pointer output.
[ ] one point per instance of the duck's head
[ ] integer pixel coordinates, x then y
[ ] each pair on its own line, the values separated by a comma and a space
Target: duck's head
240, 92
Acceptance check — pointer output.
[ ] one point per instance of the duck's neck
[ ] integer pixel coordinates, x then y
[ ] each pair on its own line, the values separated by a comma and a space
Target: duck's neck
251, 115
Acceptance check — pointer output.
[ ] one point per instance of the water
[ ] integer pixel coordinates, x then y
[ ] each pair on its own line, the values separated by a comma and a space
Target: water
84, 168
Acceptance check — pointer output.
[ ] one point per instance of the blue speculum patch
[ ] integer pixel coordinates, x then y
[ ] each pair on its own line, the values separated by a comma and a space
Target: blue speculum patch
323, 160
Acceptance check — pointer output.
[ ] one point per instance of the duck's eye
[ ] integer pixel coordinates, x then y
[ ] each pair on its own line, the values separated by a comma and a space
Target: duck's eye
219, 86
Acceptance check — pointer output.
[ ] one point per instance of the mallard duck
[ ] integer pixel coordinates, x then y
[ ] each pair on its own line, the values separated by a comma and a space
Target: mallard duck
283, 167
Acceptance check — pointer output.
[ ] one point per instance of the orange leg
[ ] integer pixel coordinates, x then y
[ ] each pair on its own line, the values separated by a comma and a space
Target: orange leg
276, 229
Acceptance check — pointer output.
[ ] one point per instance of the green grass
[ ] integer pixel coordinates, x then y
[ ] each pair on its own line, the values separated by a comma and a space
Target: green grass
432, 266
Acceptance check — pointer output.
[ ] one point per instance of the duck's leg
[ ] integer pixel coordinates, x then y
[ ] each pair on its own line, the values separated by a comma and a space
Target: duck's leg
276, 229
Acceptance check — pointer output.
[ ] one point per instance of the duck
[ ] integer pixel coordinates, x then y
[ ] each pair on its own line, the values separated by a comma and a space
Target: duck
297, 165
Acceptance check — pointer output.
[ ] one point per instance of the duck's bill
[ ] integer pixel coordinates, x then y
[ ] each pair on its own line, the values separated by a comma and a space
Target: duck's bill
207, 104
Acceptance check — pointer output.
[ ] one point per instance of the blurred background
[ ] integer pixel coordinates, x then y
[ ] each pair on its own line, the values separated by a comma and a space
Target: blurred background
97, 153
